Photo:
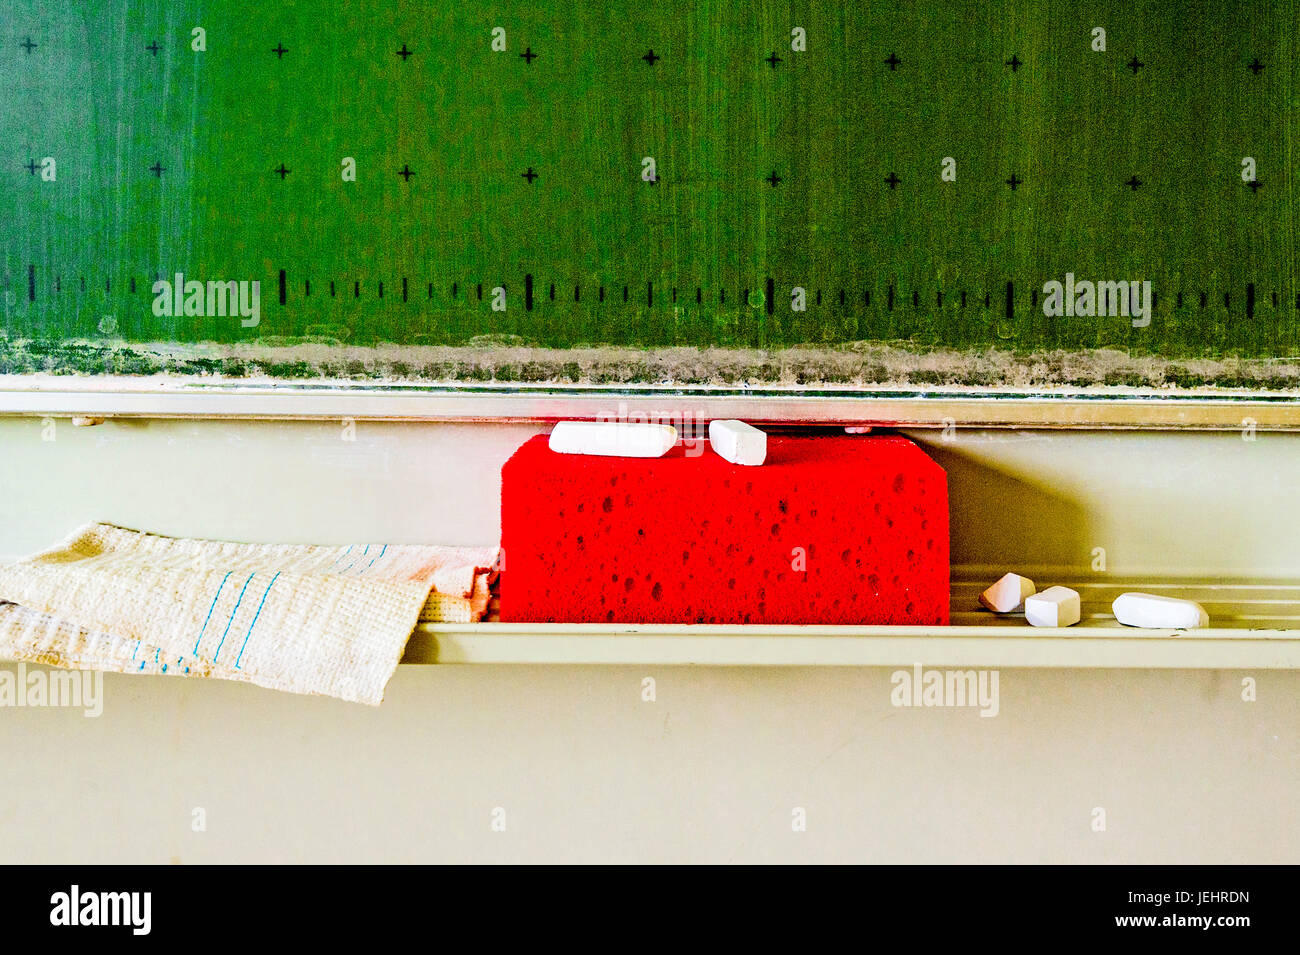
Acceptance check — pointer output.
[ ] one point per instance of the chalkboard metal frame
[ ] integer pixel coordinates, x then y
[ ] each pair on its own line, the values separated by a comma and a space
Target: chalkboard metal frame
125, 397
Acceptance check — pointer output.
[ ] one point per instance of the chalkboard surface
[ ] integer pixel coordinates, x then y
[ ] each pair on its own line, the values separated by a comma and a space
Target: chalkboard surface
436, 189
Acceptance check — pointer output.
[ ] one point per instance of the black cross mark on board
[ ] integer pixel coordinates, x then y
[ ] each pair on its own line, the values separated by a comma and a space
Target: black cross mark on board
28, 45
773, 180
31, 166
153, 48
1015, 63
893, 62
893, 181
1014, 181
773, 60
405, 173
279, 51
528, 55
1133, 183
1135, 64
157, 169
1256, 67
529, 175
282, 172
404, 53
652, 58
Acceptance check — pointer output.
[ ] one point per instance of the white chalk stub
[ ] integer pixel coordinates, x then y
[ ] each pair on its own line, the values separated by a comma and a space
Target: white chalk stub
1054, 607
1149, 610
1008, 594
624, 439
738, 442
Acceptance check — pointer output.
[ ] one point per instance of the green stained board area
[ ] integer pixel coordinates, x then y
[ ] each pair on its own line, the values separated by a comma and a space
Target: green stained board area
502, 181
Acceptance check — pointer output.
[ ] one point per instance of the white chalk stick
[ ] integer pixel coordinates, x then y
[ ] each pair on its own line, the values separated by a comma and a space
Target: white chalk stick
1008, 593
1053, 607
738, 442
1149, 610
623, 439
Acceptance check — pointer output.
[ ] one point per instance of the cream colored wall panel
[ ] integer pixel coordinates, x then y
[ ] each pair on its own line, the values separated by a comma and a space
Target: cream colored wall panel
1186, 770
710, 772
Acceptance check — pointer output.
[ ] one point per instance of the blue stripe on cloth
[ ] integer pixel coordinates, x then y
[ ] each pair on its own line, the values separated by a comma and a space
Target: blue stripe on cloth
355, 559
249, 633
210, 609
375, 558
232, 617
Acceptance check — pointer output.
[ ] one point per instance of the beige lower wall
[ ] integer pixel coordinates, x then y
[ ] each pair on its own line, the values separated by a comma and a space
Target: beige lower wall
1185, 770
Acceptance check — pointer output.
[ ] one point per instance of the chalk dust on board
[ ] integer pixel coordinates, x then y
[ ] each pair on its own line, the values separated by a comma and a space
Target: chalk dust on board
855, 365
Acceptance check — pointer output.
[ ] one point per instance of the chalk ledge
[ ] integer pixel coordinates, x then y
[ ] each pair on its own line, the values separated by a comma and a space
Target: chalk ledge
1253, 626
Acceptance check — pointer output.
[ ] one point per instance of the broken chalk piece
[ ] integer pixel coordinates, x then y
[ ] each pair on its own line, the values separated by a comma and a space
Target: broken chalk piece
1149, 610
738, 442
1007, 594
624, 439
1054, 607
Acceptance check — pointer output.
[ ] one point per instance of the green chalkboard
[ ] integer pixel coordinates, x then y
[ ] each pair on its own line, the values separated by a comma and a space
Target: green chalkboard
460, 181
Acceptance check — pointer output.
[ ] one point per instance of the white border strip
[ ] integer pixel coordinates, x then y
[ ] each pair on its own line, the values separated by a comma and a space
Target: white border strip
130, 398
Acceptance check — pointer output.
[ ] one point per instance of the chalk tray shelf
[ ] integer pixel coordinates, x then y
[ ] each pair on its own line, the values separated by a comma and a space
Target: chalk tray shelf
1253, 626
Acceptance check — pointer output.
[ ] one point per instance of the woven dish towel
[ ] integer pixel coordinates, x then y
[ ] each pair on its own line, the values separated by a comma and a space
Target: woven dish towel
301, 618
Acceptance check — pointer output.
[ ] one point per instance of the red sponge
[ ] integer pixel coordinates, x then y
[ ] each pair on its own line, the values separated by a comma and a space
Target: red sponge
830, 530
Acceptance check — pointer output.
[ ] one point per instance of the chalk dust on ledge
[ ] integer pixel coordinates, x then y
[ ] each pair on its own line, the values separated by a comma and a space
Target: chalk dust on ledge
500, 361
